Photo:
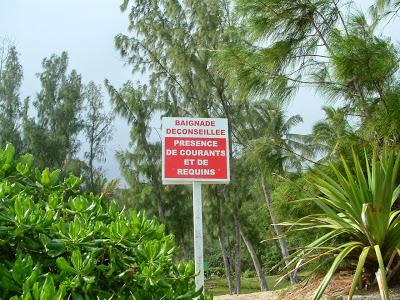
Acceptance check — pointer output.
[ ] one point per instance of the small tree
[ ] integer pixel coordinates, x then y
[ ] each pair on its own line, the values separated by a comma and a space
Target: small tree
53, 136
97, 129
10, 104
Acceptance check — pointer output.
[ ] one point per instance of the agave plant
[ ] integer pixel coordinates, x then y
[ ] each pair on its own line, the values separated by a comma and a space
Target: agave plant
358, 207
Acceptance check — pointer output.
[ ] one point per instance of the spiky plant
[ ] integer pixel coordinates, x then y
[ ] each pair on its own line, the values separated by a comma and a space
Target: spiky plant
357, 206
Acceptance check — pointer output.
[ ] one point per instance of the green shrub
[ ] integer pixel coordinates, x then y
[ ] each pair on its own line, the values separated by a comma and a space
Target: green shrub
217, 271
249, 274
56, 242
357, 209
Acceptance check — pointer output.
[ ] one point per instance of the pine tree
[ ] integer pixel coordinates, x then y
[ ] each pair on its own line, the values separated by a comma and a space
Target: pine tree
10, 103
173, 43
53, 135
317, 44
141, 164
97, 130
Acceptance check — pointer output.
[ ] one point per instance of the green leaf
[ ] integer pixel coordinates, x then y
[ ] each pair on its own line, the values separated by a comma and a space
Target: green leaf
22, 268
357, 275
45, 178
190, 295
54, 176
24, 164
76, 259
62, 291
48, 291
54, 247
64, 266
9, 153
383, 286
349, 248
36, 291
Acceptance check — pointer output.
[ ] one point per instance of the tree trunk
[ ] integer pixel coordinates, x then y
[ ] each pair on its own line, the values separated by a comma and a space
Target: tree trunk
160, 209
91, 158
225, 255
281, 239
256, 262
227, 263
155, 179
238, 255
183, 249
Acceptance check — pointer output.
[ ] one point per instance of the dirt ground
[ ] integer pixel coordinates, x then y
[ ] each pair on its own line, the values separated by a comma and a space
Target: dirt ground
253, 296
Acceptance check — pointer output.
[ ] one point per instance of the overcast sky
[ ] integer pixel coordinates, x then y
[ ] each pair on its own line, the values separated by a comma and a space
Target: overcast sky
86, 29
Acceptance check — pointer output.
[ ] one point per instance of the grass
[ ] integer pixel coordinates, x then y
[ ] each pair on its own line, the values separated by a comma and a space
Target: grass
219, 286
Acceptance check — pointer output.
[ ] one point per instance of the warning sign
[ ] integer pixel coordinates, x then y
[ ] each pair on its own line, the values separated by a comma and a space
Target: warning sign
195, 149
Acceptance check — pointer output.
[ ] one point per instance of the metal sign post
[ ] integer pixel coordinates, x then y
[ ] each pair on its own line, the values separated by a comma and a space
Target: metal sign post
198, 235
195, 151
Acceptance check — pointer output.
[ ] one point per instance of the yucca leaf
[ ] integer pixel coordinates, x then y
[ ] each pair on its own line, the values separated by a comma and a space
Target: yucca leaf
362, 180
349, 248
393, 236
311, 247
395, 170
357, 275
384, 287
394, 218
352, 186
395, 194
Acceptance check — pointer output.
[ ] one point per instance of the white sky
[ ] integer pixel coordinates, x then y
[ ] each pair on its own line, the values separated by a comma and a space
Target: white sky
86, 29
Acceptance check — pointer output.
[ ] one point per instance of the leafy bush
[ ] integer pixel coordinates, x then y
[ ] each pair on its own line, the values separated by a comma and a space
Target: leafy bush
56, 242
217, 271
249, 274
357, 208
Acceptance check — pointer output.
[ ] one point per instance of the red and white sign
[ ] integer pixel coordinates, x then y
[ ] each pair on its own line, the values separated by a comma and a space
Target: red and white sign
195, 150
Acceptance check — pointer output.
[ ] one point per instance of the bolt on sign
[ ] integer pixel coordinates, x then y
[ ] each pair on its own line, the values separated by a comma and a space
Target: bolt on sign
195, 150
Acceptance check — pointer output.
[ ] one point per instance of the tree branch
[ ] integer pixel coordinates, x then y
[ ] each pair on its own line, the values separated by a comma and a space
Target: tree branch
341, 17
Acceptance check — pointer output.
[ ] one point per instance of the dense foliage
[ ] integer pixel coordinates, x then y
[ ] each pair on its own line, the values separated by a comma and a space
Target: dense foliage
243, 60
357, 206
251, 57
57, 242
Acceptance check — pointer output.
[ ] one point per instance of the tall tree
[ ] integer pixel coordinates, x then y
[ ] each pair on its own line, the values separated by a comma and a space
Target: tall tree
10, 104
97, 129
53, 135
138, 107
243, 192
217, 221
319, 45
173, 42
332, 134
385, 8
273, 141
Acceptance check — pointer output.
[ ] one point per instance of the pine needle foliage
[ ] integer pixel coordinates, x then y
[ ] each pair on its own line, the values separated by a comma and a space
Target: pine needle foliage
10, 103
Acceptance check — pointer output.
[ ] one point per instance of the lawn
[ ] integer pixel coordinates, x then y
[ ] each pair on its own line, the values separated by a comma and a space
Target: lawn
219, 286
